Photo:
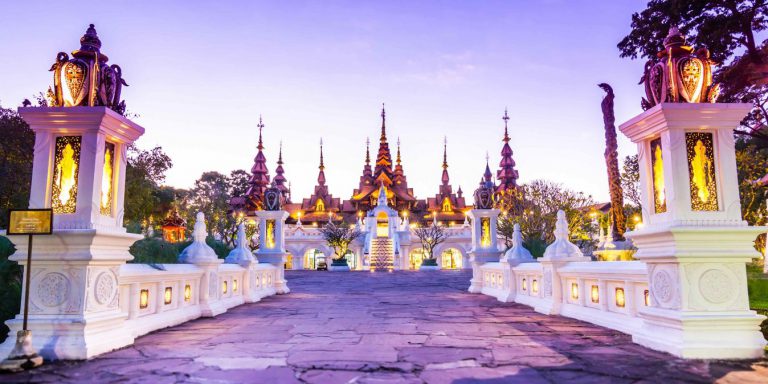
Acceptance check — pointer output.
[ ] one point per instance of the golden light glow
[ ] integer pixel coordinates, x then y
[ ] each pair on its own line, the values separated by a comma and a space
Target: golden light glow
144, 298
620, 299
67, 164
485, 232
168, 295
320, 205
701, 170
647, 298
270, 235
447, 205
234, 285
595, 294
574, 291
224, 287
657, 171
107, 179
535, 286
187, 293
525, 285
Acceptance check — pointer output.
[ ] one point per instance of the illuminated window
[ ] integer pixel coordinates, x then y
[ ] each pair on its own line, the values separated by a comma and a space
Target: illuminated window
107, 178
535, 286
525, 285
574, 291
144, 299
234, 285
65, 171
270, 235
595, 294
168, 295
187, 293
657, 172
447, 205
485, 232
620, 299
224, 287
320, 205
701, 171
647, 298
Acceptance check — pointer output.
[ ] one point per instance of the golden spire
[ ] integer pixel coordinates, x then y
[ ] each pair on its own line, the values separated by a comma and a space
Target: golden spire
383, 124
367, 150
445, 152
398, 150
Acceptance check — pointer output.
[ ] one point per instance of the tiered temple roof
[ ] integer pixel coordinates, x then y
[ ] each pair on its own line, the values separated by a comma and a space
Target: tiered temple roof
385, 175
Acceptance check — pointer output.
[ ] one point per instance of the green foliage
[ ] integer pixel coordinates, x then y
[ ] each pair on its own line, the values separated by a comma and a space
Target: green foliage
16, 152
154, 250
144, 197
630, 181
10, 285
757, 286
535, 246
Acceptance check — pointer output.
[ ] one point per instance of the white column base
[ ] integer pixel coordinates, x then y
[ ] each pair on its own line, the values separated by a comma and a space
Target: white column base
701, 335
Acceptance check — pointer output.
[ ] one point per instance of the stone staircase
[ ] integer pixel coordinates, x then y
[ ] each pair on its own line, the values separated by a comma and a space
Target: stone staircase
382, 253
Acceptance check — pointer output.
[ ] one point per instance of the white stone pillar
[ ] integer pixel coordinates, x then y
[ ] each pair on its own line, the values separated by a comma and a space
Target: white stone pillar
272, 245
74, 299
484, 244
694, 241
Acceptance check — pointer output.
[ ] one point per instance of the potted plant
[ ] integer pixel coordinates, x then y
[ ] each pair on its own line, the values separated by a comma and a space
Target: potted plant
339, 237
430, 237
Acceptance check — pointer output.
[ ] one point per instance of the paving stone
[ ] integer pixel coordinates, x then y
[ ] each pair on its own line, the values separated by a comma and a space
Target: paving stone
400, 327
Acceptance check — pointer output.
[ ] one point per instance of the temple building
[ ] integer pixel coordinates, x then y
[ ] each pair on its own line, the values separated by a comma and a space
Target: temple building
382, 205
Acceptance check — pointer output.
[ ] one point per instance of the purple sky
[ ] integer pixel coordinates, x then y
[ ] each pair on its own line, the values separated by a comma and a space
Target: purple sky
200, 73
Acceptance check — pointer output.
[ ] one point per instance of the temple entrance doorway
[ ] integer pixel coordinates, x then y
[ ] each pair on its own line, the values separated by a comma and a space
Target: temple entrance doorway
312, 258
382, 225
451, 258
416, 257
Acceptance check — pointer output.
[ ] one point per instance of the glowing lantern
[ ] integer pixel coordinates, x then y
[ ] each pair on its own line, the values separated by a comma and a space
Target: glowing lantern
701, 171
224, 287
168, 295
144, 298
485, 232
657, 173
187, 293
66, 166
535, 286
620, 298
574, 291
234, 285
525, 285
107, 178
270, 240
595, 294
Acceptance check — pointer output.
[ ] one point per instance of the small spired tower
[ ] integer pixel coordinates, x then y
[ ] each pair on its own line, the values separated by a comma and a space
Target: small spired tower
272, 235
79, 172
484, 236
694, 241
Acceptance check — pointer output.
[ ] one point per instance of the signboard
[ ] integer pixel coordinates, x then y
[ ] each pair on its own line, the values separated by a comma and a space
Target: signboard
30, 221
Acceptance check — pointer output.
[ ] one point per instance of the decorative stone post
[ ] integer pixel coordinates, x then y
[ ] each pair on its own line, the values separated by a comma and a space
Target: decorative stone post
243, 256
512, 258
694, 241
484, 236
557, 254
79, 172
203, 256
272, 236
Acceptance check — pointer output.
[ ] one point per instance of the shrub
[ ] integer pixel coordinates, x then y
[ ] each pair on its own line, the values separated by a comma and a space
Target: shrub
10, 286
221, 249
154, 251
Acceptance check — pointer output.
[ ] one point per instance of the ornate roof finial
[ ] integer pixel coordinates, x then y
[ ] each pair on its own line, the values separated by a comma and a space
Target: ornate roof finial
261, 126
90, 41
445, 152
383, 124
280, 154
398, 150
322, 165
506, 132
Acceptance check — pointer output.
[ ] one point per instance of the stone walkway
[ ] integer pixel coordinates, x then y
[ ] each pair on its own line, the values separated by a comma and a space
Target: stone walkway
404, 327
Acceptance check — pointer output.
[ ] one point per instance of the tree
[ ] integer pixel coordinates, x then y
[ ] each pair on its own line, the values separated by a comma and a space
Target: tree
534, 206
16, 154
630, 180
339, 237
238, 182
430, 237
727, 28
145, 171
